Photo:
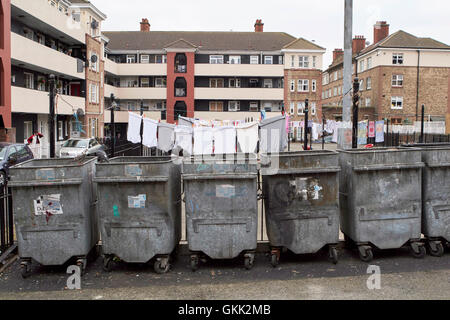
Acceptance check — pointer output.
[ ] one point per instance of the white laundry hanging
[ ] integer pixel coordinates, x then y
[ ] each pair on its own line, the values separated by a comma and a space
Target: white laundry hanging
247, 137
134, 127
183, 138
149, 137
224, 140
203, 140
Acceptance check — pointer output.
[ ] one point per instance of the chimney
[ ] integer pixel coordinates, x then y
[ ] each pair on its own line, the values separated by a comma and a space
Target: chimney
145, 25
337, 53
359, 43
380, 31
259, 26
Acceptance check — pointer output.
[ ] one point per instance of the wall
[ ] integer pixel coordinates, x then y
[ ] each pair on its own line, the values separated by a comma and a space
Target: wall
5, 62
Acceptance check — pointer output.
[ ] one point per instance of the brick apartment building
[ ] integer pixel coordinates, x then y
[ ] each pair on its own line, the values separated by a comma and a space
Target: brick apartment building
398, 73
6, 132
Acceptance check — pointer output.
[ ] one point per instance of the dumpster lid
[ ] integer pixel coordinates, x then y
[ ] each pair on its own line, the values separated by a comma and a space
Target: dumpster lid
232, 157
138, 160
53, 163
378, 149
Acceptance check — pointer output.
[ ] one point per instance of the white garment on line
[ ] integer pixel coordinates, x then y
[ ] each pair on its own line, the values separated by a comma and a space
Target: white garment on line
247, 137
183, 138
203, 140
224, 140
134, 127
149, 138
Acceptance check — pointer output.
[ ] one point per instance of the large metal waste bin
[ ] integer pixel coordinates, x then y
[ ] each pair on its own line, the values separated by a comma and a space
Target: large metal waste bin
381, 199
54, 211
301, 202
436, 195
221, 206
139, 205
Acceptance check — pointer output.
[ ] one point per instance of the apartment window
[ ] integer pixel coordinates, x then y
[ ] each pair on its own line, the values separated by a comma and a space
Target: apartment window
369, 63
254, 83
60, 130
368, 102
145, 58
303, 61
335, 91
180, 87
397, 58
361, 66
303, 85
313, 85
369, 83
397, 80
268, 59
396, 102
292, 86
335, 76
160, 58
268, 106
234, 106
292, 61
27, 129
396, 120
280, 59
300, 108
216, 106
216, 59
161, 105
160, 82
131, 106
291, 110
131, 83
28, 33
361, 85
339, 90
13, 78
40, 38
216, 83
313, 108
235, 60
93, 93
314, 63
253, 106
234, 83
131, 59
29, 80
268, 83
41, 83
254, 60
324, 80
145, 82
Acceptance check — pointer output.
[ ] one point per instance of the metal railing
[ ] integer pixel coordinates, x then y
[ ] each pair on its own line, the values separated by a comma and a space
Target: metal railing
7, 243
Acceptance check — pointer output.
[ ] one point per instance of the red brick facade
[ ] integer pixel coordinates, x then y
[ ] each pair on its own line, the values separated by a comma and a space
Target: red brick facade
5, 65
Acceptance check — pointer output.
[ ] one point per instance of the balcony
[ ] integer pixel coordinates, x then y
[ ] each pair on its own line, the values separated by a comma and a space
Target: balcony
135, 69
34, 101
136, 93
122, 116
212, 115
239, 93
239, 70
42, 58
41, 15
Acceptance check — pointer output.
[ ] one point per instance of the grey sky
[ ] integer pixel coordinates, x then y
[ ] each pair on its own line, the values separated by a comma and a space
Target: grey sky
320, 20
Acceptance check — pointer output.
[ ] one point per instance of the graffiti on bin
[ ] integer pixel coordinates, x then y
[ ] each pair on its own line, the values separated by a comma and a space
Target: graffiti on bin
300, 189
137, 202
45, 174
133, 170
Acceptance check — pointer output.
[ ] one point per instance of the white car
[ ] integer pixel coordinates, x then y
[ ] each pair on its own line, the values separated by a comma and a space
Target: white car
75, 147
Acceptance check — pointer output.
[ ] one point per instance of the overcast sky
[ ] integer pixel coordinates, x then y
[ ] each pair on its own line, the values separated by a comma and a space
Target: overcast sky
319, 20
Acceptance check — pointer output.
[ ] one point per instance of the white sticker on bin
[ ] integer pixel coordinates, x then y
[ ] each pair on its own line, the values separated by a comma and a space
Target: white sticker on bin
48, 204
225, 191
137, 202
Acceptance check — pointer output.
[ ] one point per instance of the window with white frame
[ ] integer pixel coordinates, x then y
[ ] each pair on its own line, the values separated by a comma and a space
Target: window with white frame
216, 59
234, 106
160, 58
313, 108
29, 80
60, 130
254, 60
368, 102
280, 59
131, 59
335, 91
303, 85
361, 85
397, 58
361, 66
145, 58
253, 106
268, 83
41, 83
292, 107
335, 76
145, 82
292, 61
268, 59
369, 83
396, 102
300, 108
314, 62
234, 83
160, 82
234, 60
93, 93
313, 85
397, 80
303, 61
267, 106
292, 86
324, 79
27, 129
369, 63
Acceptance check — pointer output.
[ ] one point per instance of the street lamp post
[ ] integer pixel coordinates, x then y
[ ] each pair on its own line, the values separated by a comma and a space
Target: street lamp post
305, 147
142, 128
113, 126
355, 113
51, 117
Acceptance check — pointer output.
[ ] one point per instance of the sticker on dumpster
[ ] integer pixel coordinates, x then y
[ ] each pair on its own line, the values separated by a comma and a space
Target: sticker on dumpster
133, 170
45, 174
137, 202
306, 188
116, 211
48, 205
225, 191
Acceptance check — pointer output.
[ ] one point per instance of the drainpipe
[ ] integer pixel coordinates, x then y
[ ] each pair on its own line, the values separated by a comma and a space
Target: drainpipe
417, 85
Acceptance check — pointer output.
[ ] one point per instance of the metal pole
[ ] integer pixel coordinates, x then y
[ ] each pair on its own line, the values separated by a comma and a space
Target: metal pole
347, 79
305, 144
51, 116
422, 123
113, 127
355, 113
142, 128
323, 132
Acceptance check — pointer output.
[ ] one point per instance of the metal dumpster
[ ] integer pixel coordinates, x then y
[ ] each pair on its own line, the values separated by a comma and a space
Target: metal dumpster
436, 195
221, 206
54, 211
381, 199
139, 205
301, 202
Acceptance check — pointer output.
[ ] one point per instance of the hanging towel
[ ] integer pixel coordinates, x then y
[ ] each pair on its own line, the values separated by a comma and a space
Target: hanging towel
134, 127
203, 140
166, 136
183, 138
149, 135
247, 137
224, 140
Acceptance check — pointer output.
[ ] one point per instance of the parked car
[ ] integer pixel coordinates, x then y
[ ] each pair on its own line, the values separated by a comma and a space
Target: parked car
10, 155
76, 147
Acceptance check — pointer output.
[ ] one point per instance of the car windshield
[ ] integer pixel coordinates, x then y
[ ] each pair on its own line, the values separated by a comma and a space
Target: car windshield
3, 152
76, 144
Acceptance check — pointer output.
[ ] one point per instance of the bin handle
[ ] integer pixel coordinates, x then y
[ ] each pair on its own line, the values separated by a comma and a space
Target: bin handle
212, 176
133, 179
153, 225
24, 231
41, 183
306, 170
303, 215
198, 222
439, 165
384, 167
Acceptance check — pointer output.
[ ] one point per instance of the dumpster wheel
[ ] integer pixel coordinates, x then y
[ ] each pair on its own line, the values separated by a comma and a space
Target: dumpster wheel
365, 253
162, 265
81, 263
249, 260
108, 263
418, 250
25, 268
195, 261
436, 248
333, 254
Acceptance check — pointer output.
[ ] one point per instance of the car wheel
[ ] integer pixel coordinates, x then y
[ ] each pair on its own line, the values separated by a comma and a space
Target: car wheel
2, 178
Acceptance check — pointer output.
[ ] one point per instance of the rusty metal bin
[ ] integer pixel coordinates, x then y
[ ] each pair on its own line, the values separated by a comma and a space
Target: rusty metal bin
381, 199
54, 211
139, 204
436, 195
301, 202
221, 206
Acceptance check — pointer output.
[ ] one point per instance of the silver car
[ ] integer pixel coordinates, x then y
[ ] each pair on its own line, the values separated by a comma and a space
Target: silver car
76, 147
